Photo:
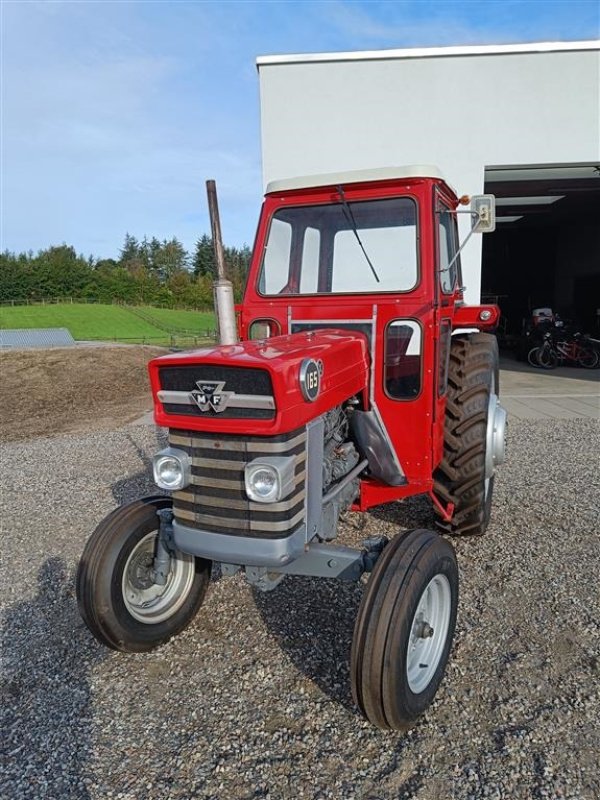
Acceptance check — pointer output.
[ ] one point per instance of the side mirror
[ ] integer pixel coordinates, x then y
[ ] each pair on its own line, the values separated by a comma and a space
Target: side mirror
483, 213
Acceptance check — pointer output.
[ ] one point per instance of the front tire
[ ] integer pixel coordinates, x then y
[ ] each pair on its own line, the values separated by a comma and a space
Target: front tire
118, 598
473, 434
404, 629
533, 357
547, 358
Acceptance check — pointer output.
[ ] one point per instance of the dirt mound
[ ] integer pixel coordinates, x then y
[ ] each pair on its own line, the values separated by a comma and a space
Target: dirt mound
49, 392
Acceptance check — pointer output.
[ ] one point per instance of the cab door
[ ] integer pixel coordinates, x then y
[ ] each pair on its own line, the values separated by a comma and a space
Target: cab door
403, 371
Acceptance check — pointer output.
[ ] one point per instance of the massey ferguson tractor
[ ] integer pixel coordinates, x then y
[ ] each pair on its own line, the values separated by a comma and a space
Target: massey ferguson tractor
353, 374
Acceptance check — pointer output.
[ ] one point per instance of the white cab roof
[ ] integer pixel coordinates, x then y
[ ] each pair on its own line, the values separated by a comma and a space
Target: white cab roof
354, 176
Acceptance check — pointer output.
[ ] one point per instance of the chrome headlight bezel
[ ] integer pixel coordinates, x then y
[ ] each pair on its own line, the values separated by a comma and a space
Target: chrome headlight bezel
178, 459
280, 467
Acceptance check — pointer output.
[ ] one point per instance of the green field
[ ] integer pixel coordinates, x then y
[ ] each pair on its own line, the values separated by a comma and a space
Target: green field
175, 319
108, 322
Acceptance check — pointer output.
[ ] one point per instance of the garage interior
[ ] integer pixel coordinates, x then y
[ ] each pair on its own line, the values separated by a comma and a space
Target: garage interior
545, 251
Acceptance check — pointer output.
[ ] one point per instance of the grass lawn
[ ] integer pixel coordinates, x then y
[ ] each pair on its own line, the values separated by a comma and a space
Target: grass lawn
95, 321
193, 321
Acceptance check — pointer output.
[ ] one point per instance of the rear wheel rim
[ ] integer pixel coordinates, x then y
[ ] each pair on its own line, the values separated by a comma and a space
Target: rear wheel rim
588, 359
147, 601
428, 633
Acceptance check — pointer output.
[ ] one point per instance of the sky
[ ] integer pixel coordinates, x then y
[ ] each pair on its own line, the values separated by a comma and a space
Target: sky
115, 113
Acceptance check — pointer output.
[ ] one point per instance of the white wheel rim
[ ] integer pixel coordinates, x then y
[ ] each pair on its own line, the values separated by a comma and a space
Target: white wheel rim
149, 602
495, 437
428, 633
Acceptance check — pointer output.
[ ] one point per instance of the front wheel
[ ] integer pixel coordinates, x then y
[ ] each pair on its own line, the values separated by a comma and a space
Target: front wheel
532, 357
542, 356
547, 357
119, 599
404, 629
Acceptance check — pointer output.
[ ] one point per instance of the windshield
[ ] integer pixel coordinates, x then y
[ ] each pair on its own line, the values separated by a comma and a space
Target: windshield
366, 246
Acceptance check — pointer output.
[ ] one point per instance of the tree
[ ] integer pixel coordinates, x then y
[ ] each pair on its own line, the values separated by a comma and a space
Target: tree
130, 250
147, 271
204, 258
169, 259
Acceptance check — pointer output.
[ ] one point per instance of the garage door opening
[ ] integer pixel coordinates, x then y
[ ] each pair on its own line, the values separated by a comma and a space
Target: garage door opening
545, 251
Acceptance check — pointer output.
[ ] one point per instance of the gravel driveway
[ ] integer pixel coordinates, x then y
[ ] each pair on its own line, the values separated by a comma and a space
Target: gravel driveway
253, 700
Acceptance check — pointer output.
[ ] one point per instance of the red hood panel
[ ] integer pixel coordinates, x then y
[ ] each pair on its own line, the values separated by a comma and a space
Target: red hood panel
345, 373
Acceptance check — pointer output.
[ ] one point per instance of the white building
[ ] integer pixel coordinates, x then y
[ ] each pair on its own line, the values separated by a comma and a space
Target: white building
519, 121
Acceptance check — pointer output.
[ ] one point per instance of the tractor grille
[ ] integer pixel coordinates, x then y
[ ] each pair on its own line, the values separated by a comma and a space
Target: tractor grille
216, 499
248, 391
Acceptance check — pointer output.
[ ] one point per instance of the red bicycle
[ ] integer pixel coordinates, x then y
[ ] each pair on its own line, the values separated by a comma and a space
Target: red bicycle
575, 350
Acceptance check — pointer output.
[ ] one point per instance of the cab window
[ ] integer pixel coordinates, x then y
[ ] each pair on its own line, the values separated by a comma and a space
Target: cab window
342, 248
447, 247
403, 357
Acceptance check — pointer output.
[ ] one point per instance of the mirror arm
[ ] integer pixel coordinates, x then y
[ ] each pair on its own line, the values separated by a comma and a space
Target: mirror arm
455, 211
459, 251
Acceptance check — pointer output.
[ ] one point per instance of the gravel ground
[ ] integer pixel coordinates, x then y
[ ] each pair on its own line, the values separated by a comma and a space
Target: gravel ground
253, 700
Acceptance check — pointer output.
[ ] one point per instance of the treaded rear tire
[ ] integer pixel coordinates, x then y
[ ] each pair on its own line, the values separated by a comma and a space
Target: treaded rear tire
473, 374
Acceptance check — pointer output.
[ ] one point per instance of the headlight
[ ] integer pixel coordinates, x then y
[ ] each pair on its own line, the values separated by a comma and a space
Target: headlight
172, 469
269, 479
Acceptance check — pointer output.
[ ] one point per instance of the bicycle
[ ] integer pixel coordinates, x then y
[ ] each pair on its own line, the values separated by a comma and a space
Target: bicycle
575, 350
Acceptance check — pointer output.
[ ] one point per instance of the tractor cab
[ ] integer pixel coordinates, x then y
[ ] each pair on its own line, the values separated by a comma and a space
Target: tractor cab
374, 252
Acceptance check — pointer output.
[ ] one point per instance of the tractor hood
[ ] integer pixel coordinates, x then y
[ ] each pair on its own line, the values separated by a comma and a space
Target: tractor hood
259, 387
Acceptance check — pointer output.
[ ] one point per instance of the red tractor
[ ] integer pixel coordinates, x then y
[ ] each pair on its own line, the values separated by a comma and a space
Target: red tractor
360, 377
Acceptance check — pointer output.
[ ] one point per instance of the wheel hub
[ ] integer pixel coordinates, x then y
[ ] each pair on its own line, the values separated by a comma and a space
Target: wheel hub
428, 633
147, 601
140, 570
495, 445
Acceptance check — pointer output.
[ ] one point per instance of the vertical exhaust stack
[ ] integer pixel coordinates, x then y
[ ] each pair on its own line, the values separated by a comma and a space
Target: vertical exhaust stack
223, 289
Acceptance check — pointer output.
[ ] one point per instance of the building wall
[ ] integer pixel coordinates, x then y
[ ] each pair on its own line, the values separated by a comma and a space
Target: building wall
461, 112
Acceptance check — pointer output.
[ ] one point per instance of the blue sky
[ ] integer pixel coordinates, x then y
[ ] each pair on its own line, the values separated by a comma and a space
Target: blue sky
115, 113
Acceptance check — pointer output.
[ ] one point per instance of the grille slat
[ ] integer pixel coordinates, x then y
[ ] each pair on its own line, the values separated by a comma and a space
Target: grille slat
239, 527
202, 442
215, 499
219, 502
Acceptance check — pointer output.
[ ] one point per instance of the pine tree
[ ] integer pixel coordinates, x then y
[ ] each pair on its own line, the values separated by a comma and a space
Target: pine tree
170, 259
130, 250
204, 258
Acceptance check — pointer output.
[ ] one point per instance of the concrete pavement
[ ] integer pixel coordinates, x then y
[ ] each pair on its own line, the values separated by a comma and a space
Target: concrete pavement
562, 393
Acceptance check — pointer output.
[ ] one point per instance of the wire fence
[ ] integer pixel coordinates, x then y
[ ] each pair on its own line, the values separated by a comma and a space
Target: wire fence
174, 341
54, 301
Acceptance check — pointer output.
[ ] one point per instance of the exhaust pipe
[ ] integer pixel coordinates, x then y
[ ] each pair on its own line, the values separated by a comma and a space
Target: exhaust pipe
222, 288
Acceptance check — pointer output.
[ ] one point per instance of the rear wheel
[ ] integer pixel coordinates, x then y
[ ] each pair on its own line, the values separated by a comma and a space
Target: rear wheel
119, 599
474, 434
404, 629
587, 358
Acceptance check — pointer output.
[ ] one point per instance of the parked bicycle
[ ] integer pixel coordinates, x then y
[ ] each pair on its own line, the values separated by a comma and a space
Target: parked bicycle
557, 349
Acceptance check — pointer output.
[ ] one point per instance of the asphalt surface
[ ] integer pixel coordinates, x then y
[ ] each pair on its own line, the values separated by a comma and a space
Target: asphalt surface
253, 699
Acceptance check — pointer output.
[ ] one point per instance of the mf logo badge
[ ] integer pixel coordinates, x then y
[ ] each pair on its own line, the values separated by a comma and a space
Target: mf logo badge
210, 395
310, 378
